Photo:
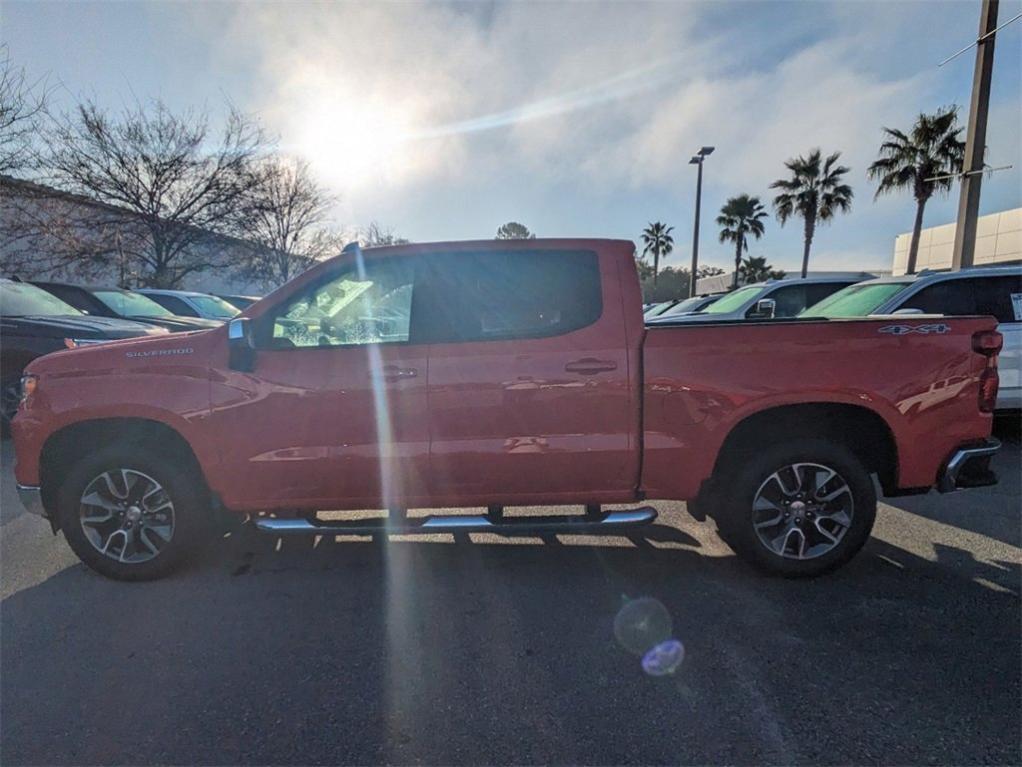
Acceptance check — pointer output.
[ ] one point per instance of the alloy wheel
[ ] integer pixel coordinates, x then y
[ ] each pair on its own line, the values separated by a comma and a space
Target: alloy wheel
802, 511
127, 516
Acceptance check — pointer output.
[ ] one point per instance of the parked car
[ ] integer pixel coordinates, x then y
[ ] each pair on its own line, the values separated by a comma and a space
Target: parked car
187, 303
657, 307
993, 290
126, 304
520, 374
34, 322
241, 303
764, 300
685, 306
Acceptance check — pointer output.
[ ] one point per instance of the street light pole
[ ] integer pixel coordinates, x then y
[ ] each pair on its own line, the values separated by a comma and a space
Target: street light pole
697, 159
975, 140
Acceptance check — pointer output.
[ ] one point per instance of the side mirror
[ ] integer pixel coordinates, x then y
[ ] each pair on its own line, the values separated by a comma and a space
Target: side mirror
765, 309
240, 345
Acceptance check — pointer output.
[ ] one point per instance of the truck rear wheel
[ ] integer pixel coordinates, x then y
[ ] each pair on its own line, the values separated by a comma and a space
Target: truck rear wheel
799, 509
130, 513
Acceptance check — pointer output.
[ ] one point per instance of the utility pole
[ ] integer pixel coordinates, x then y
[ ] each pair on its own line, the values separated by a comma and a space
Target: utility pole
697, 159
975, 141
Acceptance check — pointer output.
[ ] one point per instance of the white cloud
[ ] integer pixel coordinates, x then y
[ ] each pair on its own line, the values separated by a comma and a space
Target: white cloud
407, 107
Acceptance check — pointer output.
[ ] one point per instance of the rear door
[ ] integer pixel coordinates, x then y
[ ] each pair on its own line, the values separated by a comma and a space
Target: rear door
529, 396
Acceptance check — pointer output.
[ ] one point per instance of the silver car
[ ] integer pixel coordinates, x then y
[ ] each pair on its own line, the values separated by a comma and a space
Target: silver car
994, 290
764, 300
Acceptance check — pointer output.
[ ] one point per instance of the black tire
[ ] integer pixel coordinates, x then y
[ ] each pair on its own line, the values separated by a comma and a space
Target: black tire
181, 485
741, 485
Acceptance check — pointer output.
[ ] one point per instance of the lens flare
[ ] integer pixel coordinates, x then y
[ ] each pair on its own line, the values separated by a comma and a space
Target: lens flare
641, 624
664, 658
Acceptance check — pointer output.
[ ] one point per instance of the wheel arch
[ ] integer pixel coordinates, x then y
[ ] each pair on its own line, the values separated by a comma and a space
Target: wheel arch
861, 429
72, 441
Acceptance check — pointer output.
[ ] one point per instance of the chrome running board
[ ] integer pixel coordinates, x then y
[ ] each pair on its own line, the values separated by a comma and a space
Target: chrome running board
604, 522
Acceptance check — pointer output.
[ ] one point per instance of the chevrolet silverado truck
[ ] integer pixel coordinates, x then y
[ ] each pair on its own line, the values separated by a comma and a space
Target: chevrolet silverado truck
488, 375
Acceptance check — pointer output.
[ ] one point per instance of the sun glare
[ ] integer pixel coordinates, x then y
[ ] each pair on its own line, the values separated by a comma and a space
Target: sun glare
354, 145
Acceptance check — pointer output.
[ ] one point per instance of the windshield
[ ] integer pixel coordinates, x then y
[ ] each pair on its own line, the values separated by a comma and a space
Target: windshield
733, 301
855, 300
127, 304
18, 299
211, 306
688, 305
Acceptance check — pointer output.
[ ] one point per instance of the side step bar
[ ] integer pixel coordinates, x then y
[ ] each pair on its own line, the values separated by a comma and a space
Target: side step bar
605, 522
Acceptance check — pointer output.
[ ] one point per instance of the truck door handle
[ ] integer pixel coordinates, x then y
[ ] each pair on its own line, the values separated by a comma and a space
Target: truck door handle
588, 366
394, 373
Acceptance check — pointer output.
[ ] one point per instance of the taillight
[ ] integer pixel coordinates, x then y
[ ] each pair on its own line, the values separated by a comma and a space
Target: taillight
988, 343
988, 383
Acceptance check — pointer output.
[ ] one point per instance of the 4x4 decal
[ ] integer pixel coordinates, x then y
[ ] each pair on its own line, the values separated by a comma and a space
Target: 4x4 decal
902, 330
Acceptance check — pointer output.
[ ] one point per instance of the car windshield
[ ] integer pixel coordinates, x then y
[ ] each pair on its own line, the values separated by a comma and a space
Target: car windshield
211, 306
127, 304
688, 305
733, 301
19, 299
855, 300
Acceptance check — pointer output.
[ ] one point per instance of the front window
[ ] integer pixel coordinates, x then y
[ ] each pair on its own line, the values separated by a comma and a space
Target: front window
733, 301
124, 303
368, 303
856, 300
19, 299
217, 308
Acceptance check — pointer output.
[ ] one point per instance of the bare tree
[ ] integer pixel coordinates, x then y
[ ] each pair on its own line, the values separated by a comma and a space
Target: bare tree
181, 184
377, 236
21, 105
284, 217
46, 232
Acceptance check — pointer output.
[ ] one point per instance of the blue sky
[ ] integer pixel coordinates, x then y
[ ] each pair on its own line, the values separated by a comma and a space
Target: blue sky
444, 120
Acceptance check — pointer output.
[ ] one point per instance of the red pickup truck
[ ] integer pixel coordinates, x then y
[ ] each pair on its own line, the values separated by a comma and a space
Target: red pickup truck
494, 374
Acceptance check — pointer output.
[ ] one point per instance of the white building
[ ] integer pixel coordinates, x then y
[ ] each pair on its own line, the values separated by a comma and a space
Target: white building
998, 241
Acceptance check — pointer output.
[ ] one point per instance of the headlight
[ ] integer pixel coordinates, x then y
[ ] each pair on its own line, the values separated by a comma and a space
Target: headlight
74, 343
28, 386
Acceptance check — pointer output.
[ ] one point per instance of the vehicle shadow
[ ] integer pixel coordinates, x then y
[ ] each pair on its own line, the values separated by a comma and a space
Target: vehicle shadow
291, 651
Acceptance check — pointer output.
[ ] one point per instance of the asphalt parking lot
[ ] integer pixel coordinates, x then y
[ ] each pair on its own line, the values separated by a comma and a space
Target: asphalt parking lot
493, 651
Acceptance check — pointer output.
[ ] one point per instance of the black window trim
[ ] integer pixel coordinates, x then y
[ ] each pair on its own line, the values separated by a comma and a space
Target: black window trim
521, 336
264, 324
263, 330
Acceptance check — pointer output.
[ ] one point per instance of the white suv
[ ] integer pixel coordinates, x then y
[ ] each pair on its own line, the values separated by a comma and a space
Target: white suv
994, 290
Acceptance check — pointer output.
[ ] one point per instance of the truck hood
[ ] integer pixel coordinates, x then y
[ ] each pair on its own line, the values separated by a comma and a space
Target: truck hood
176, 324
77, 326
160, 348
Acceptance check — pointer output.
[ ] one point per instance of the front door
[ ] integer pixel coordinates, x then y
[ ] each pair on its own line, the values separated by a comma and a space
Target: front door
334, 413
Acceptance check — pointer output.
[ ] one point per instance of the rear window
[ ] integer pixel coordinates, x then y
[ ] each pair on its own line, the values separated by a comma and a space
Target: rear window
993, 296
507, 294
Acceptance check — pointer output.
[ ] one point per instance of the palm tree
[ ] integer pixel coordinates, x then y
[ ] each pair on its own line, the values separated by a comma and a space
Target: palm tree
658, 241
756, 269
927, 160
740, 217
815, 191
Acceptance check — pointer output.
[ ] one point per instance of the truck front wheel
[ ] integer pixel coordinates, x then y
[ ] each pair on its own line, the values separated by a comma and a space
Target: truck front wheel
130, 513
798, 509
